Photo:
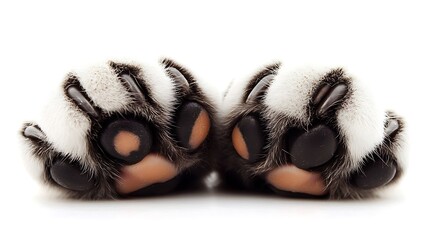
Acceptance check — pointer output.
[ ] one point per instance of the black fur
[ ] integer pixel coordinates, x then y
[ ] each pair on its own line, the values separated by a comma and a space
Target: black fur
238, 172
193, 166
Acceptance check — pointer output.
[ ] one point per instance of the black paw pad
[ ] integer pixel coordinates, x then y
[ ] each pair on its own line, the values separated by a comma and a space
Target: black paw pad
248, 138
193, 125
126, 140
374, 174
71, 176
313, 148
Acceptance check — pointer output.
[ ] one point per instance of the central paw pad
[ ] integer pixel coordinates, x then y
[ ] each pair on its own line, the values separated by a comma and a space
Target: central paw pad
131, 130
150, 170
295, 134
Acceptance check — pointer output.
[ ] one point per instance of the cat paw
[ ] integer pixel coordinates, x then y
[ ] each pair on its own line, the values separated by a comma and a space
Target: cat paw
121, 129
309, 132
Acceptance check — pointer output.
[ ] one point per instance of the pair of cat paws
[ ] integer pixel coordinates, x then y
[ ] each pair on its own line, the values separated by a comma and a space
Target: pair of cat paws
125, 129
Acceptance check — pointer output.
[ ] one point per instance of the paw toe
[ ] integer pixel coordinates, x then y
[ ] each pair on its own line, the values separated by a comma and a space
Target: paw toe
193, 123
71, 176
374, 174
127, 140
248, 139
313, 148
377, 172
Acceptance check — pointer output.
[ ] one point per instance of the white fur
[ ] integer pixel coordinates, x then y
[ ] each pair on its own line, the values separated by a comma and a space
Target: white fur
209, 90
361, 121
103, 86
162, 87
32, 164
65, 126
235, 94
155, 77
291, 90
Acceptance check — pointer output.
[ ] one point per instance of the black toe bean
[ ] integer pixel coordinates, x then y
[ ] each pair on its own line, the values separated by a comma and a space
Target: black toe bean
193, 125
71, 176
127, 140
374, 174
248, 138
313, 148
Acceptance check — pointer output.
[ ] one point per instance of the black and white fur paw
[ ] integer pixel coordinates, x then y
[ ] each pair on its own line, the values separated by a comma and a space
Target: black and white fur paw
309, 132
120, 129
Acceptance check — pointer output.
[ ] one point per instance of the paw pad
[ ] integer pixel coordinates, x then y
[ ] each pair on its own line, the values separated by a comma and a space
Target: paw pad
133, 130
127, 140
313, 148
193, 125
305, 150
71, 176
375, 173
248, 138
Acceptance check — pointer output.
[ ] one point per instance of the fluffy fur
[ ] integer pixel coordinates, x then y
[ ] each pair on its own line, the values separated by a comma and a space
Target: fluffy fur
72, 134
286, 104
290, 91
62, 116
103, 85
290, 95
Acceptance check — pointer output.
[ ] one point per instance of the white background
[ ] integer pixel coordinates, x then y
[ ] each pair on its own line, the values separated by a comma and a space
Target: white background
386, 42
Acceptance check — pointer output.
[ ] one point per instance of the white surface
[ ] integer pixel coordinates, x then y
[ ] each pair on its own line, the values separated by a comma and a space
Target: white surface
386, 42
